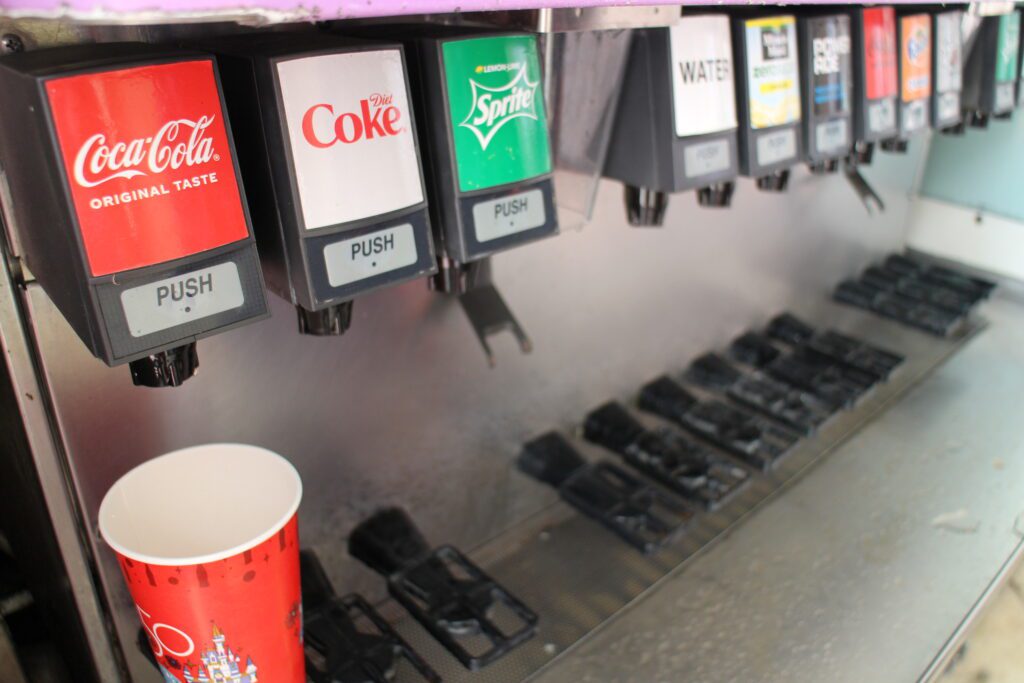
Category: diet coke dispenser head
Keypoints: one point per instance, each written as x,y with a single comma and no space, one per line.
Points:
333,168
948,66
875,78
768,98
913,106
486,129
827,89
676,124
127,202
990,74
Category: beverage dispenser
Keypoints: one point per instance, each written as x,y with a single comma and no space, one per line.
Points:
489,159
990,72
676,124
875,79
768,98
948,69
137,227
333,168
913,107
827,76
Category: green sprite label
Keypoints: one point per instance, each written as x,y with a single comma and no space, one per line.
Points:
1009,42
496,106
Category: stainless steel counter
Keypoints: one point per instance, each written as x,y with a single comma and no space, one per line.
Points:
866,568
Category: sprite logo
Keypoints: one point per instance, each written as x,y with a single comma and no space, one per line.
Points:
493,107
496,110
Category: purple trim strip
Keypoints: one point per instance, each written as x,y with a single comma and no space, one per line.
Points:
325,9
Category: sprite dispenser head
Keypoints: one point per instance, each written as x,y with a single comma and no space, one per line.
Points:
913,107
676,124
875,79
127,201
948,69
991,70
333,168
768,98
827,89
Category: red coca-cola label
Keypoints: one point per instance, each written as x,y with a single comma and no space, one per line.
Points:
237,620
147,157
880,74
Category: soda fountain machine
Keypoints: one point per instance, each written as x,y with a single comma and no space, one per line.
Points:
139,230
768,98
947,70
875,79
485,130
990,72
332,165
913,106
675,128
827,75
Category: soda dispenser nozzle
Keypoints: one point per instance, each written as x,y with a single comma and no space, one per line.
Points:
824,167
168,368
645,207
774,182
718,195
331,321
895,145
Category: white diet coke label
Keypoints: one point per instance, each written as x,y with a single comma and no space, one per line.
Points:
351,137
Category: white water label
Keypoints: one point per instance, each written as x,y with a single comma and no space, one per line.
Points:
705,158
775,147
915,115
831,135
361,257
947,106
881,115
1004,97
509,215
350,135
703,90
182,299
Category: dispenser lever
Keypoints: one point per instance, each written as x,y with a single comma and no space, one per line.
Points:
872,202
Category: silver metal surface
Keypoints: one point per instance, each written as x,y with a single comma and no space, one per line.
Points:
865,568
404,410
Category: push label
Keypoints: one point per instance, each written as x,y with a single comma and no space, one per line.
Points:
496,109
361,257
772,71
703,95
182,299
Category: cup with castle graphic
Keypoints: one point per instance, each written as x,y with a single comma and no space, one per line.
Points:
207,540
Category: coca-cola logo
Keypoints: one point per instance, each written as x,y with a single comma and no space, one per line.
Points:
377,117
178,143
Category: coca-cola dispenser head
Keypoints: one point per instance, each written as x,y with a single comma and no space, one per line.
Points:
126,200
675,128
875,79
328,147
768,97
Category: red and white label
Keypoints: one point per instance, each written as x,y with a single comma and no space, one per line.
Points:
149,163
880,54
351,136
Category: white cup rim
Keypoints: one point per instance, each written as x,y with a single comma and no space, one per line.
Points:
109,514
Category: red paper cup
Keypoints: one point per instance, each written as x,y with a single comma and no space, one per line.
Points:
207,539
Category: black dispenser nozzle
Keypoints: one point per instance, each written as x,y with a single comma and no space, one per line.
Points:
168,368
774,182
645,207
331,321
718,195
895,145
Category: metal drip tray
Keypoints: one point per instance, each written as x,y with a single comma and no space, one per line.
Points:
578,577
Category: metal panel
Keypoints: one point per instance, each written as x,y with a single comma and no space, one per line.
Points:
864,586
404,410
